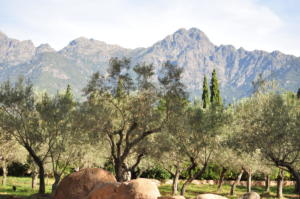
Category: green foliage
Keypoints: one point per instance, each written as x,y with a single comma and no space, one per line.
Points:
133,120
18,169
205,93
109,166
144,73
298,94
215,95
121,112
212,172
156,173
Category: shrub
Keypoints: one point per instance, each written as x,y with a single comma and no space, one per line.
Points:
156,173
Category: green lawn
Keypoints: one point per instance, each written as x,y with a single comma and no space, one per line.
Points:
24,190
23,185
194,190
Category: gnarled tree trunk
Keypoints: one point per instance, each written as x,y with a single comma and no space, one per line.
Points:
292,171
118,170
4,169
221,180
175,182
189,181
56,181
267,183
40,164
280,179
249,181
237,181
296,176
34,176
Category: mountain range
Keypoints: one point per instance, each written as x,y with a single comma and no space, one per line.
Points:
51,70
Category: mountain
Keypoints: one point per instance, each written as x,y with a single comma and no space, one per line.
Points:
191,49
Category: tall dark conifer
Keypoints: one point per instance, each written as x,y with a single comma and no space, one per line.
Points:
215,97
205,93
298,94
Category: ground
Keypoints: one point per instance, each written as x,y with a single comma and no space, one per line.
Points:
23,185
24,190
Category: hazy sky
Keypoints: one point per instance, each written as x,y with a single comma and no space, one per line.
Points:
253,24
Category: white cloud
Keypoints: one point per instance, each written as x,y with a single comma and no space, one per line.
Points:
135,23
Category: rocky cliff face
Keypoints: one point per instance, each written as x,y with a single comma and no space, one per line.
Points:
191,49
13,52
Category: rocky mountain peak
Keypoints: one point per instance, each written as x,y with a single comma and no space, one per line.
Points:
190,49
13,51
2,35
43,48
192,33
192,38
79,41
83,42
96,50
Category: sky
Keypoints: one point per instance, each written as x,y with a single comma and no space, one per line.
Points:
252,24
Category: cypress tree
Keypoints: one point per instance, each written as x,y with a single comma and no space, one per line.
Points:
298,94
205,93
69,92
215,97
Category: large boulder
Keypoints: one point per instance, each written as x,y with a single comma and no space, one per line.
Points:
134,189
250,195
210,196
79,184
171,197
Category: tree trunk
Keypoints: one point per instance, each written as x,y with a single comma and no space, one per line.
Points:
42,179
292,171
297,178
175,182
4,168
297,187
221,180
189,181
118,170
40,164
237,181
280,179
249,181
34,177
135,174
56,181
267,183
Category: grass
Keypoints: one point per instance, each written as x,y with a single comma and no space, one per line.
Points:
23,185
24,190
194,190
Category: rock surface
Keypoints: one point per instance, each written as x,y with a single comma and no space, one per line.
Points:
79,184
171,197
210,196
250,195
134,189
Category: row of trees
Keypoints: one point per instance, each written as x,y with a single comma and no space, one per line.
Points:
135,121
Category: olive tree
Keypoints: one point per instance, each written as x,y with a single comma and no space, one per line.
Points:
122,111
171,154
202,139
224,158
271,123
21,120
174,102
57,119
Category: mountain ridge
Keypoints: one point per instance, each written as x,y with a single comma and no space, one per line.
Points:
189,48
